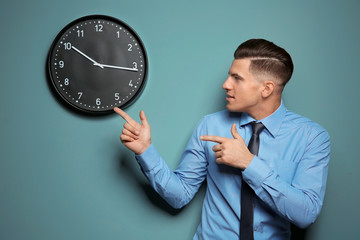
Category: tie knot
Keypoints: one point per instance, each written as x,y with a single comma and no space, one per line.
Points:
257,127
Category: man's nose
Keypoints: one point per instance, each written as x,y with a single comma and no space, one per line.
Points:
226,84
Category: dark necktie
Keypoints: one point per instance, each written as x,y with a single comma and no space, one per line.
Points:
247,193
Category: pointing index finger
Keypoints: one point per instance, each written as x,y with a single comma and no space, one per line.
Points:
211,138
125,116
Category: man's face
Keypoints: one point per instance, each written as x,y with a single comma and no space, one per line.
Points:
243,90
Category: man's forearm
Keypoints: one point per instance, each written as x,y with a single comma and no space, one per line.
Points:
172,187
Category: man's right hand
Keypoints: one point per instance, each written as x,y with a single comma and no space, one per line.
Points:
135,136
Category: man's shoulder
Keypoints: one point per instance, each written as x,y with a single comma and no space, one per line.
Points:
299,121
218,122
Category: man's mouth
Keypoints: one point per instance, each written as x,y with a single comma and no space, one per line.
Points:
229,96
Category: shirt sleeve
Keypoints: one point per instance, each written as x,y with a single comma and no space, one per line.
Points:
300,201
180,186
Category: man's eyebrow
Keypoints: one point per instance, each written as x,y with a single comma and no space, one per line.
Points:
235,75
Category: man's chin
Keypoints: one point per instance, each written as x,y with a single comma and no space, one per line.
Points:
232,108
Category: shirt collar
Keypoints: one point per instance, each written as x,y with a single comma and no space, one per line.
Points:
272,122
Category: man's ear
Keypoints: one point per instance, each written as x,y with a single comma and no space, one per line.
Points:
268,88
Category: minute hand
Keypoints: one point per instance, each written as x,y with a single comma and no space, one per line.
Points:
121,68
86,56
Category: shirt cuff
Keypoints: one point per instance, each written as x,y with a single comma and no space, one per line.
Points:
148,159
256,172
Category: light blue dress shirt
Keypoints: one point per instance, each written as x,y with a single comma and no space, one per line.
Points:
288,175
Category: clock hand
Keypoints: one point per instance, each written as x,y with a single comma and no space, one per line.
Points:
103,65
121,68
89,58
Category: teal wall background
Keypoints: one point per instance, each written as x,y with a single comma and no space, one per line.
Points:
66,176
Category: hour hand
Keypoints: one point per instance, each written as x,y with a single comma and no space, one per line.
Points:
87,57
118,67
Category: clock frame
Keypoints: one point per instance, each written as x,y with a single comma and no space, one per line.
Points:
96,63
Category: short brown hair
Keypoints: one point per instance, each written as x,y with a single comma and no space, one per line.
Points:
266,57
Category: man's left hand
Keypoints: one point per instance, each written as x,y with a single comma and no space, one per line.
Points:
232,152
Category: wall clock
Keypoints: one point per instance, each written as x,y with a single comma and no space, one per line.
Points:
97,63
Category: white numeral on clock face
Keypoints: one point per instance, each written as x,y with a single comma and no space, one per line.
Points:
80,33
66,81
67,46
98,102
130,47
117,97
99,28
80,94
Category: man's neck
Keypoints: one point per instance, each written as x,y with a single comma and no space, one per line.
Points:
265,109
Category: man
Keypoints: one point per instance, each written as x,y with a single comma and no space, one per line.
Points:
251,193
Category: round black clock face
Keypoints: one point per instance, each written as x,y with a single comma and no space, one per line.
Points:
97,63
